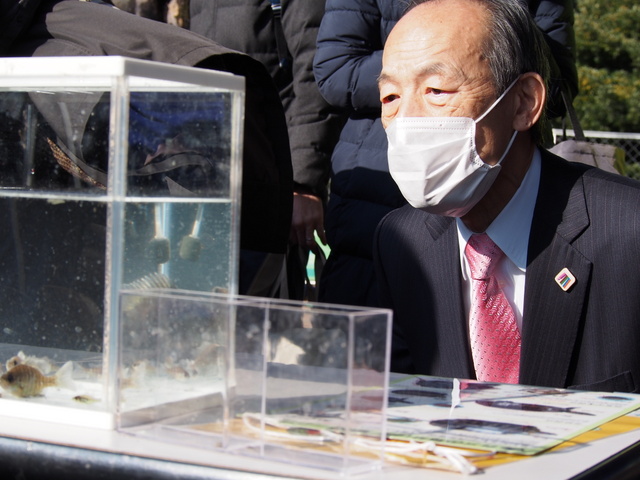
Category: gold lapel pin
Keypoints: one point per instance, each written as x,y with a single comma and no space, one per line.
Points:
565,279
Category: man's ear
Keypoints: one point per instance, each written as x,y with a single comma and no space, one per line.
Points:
531,100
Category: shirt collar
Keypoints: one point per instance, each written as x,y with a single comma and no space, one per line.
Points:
510,229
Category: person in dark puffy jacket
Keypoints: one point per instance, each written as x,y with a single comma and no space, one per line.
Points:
346,66
251,26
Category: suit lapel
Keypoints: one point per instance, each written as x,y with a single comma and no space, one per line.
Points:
552,316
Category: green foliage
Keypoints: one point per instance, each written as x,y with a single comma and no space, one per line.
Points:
633,170
609,100
607,34
608,58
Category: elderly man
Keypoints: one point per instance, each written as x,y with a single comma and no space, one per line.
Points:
510,264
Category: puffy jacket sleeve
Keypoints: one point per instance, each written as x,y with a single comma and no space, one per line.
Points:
314,126
348,58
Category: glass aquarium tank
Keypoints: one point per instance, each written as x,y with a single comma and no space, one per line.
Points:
114,173
288,381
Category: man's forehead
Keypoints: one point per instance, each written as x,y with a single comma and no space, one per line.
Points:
438,44
455,17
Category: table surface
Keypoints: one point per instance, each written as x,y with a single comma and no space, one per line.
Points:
40,449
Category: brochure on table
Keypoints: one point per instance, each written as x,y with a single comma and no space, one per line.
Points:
475,415
499,417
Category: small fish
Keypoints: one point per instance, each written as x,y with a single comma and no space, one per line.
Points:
150,281
85,399
137,304
26,381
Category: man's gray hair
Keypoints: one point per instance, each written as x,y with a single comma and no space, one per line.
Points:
516,46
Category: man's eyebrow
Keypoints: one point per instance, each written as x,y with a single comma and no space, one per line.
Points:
431,69
383,77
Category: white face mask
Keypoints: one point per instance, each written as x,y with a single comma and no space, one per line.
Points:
436,165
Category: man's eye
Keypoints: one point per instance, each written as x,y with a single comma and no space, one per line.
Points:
389,98
435,91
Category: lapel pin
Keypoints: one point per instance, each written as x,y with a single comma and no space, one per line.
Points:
565,279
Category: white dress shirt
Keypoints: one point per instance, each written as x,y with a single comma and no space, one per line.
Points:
510,231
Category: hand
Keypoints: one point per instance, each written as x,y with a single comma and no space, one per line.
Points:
307,218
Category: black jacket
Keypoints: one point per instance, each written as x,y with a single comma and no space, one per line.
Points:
249,26
71,27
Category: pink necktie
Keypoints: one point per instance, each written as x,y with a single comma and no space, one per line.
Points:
495,339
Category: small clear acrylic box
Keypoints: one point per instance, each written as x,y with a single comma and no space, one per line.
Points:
114,173
295,382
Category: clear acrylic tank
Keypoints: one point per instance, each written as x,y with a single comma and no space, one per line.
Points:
295,382
114,173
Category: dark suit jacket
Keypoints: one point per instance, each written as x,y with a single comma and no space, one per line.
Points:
587,338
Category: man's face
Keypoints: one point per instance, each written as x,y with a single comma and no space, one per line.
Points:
433,66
